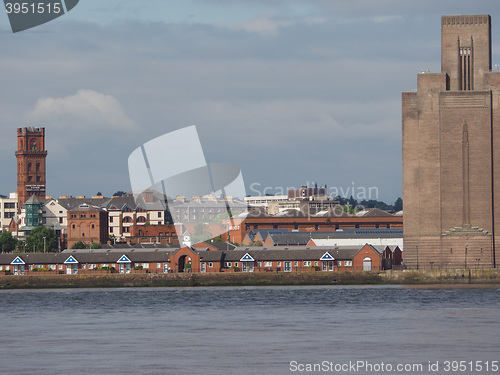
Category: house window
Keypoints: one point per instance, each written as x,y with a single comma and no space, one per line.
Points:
348,263
158,265
60,220
307,263
210,264
296,264
83,266
228,264
93,226
73,226
339,263
111,219
236,264
159,214
316,263
111,230
60,266
279,264
268,264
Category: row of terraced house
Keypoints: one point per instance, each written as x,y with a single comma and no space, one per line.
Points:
205,257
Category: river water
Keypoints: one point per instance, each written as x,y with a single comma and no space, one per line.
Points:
251,330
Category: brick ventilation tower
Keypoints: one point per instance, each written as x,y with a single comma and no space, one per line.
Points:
451,153
30,156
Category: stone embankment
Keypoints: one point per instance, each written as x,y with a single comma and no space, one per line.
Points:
457,277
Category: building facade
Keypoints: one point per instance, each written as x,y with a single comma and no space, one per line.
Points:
30,155
451,153
8,211
88,224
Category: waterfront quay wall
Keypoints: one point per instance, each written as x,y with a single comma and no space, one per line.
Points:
424,277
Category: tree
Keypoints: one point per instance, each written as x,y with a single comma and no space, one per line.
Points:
398,205
99,194
119,193
7,242
35,241
353,202
83,245
201,233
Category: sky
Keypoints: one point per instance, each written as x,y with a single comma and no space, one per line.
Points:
292,91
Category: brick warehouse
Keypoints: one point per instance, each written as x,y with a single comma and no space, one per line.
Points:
451,153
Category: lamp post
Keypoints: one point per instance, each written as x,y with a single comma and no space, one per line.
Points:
44,244
466,256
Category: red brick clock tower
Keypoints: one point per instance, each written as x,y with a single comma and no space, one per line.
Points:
30,156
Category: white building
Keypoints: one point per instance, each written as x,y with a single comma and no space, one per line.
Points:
8,210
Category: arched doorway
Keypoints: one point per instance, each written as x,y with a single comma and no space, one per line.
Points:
184,264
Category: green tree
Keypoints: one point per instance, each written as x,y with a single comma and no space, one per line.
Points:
398,205
83,245
7,242
35,241
201,233
119,193
79,245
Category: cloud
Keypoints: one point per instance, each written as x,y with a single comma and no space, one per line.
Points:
263,24
87,108
386,18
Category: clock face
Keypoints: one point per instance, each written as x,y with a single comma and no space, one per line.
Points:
186,238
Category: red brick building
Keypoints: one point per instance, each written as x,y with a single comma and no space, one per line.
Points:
303,223
88,224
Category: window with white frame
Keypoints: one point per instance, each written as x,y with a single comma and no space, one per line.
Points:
228,264
158,265
52,266
91,266
60,266
145,265
348,263
83,266
296,263
279,264
268,264
316,263
1,268
236,264
307,263
339,263
210,264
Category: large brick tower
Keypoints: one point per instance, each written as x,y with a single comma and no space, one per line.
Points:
451,153
30,156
